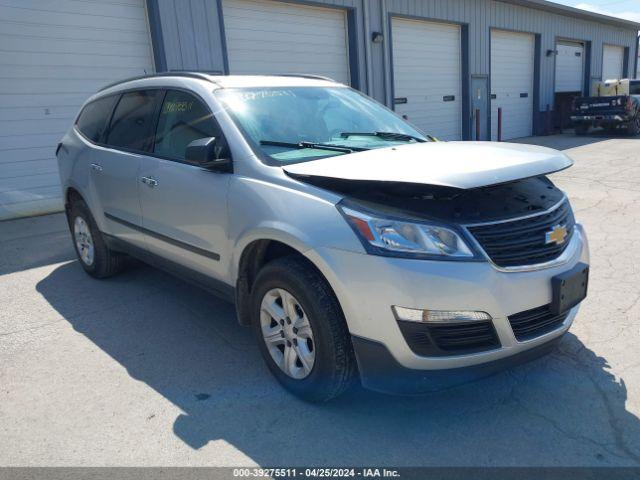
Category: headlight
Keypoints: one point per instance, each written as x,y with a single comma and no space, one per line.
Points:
394,237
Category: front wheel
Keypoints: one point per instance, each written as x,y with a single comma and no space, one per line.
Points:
301,330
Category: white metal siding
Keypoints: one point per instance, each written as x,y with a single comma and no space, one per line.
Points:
266,37
54,55
426,68
612,62
512,69
569,67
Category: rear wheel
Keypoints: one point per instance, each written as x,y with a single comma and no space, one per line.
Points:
581,129
301,330
96,258
633,128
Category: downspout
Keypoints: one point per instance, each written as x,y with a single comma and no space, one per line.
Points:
367,46
157,39
385,51
635,63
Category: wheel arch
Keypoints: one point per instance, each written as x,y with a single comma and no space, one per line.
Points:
72,194
255,255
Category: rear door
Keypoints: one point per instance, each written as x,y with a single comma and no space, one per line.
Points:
184,206
116,167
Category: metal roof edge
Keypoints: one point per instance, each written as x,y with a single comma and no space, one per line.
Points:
574,12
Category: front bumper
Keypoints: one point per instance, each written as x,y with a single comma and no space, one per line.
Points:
381,372
367,286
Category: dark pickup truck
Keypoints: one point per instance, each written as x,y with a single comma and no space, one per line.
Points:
609,112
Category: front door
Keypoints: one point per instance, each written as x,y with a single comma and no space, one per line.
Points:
184,206
479,108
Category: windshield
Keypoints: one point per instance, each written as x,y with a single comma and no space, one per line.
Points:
298,124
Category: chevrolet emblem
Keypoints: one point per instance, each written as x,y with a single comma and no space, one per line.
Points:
557,235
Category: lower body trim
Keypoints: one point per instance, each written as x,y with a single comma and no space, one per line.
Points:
381,372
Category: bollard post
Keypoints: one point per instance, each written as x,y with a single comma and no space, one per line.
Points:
499,124
548,120
561,117
477,124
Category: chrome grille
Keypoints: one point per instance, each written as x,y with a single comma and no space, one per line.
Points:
523,241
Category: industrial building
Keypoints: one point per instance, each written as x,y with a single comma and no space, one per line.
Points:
448,65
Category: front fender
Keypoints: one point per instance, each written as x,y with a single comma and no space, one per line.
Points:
263,210
269,230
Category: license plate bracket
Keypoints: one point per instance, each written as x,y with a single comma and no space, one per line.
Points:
569,288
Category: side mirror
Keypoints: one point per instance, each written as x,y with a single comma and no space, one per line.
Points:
210,154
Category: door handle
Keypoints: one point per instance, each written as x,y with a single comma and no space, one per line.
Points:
96,166
149,181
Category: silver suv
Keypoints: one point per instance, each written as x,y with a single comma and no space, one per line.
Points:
353,244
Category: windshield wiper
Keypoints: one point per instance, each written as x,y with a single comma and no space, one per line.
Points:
385,135
319,146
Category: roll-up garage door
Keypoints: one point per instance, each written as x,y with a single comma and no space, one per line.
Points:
54,55
512,71
267,37
612,62
569,67
427,76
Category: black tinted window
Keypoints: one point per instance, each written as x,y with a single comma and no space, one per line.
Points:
132,123
183,119
93,119
634,87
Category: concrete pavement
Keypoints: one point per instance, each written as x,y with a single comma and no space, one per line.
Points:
144,369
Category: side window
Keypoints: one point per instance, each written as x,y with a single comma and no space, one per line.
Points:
132,123
183,119
634,87
92,121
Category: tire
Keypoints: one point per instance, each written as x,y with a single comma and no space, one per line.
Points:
326,348
633,128
582,129
96,259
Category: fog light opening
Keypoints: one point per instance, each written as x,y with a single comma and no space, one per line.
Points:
438,316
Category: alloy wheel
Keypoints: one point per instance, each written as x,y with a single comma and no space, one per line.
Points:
84,241
287,333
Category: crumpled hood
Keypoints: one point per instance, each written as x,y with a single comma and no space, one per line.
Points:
450,164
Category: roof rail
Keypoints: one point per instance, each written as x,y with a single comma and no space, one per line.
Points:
304,75
201,75
208,72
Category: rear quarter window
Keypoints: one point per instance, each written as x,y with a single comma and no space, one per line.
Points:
92,121
634,87
133,120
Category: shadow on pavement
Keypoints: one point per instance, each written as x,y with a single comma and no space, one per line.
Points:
570,140
34,242
564,409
